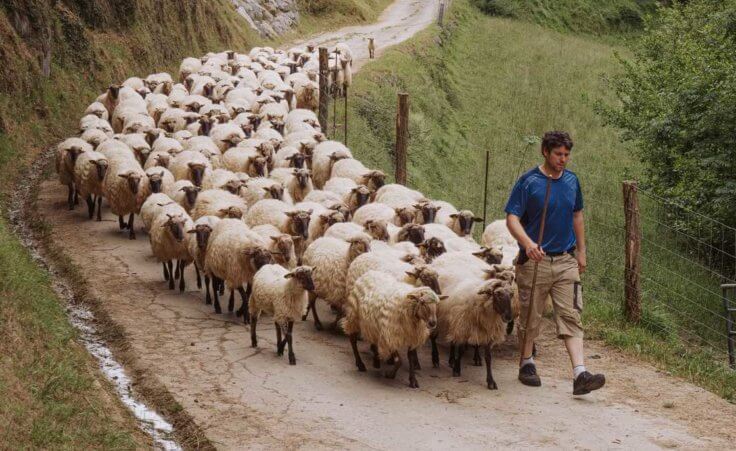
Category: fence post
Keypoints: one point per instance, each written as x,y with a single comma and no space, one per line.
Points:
402,137
345,125
485,189
323,89
441,15
730,331
632,265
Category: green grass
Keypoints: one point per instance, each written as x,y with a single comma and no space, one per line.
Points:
324,15
494,84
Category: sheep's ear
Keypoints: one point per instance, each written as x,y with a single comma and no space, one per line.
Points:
309,212
368,222
442,297
479,253
125,176
411,274
275,238
477,219
453,216
288,275
268,191
296,238
192,231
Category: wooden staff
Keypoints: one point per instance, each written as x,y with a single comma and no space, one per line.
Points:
530,309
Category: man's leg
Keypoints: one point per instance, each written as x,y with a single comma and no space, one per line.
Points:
524,275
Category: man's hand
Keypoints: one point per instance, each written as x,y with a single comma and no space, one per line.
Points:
535,252
582,261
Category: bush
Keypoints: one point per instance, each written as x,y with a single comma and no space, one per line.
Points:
678,104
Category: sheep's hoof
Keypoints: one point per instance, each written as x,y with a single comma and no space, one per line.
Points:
492,385
304,317
435,363
131,236
318,326
361,366
254,343
413,382
477,362
455,373
376,363
292,360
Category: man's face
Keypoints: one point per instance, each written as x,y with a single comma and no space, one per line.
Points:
557,158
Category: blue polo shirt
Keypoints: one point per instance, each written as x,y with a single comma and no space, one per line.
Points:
527,201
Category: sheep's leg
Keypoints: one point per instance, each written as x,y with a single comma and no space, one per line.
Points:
177,269
489,374
415,356
338,316
182,282
245,295
435,351
99,208
253,337
280,343
476,357
199,278
122,223
76,195
70,198
216,284
451,360
166,271
222,289
358,361
290,342
376,359
231,303
312,302
90,206
411,355
310,305
396,359
510,327
171,274
207,296
131,230
458,360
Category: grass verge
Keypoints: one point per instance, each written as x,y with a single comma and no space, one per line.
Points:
484,83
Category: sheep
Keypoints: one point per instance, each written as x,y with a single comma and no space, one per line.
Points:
67,153
321,219
413,233
98,109
89,175
440,231
167,235
122,188
392,316
258,188
355,170
216,202
296,181
284,295
289,157
158,159
421,275
281,245
114,149
324,156
160,180
352,194
184,193
281,215
246,160
197,241
460,222
325,198
331,258
497,234
224,180
152,207
234,254
475,314
94,137
190,165
431,249
226,136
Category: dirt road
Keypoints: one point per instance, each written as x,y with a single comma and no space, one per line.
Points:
250,398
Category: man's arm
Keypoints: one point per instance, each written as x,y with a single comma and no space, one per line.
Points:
578,225
533,250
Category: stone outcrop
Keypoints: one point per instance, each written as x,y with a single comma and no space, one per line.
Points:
269,17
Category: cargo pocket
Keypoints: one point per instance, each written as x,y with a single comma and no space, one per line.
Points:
577,297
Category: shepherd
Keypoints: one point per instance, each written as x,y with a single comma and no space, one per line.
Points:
544,213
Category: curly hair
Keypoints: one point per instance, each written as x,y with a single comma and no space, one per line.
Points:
554,139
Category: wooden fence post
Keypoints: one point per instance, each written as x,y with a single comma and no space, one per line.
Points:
345,125
441,15
485,189
323,89
632,265
402,137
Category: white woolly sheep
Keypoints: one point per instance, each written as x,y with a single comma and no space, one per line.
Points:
282,245
89,176
160,180
281,215
258,188
497,234
251,162
324,156
355,170
224,180
152,207
352,194
168,241
67,153
190,165
216,202
197,240
123,187
297,182
184,193
460,222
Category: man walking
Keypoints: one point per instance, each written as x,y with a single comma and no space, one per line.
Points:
559,259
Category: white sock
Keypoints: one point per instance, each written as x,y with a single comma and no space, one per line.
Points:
526,361
578,370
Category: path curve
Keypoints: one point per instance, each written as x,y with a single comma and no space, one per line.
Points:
249,398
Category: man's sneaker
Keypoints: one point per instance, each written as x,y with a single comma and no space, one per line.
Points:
528,375
586,383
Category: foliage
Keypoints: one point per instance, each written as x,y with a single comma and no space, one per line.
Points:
586,16
678,105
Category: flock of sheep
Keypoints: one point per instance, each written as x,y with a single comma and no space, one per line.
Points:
228,169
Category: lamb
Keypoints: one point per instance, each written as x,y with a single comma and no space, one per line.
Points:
89,176
258,188
216,202
497,234
122,188
324,156
296,181
461,222
234,254
160,180
331,258
284,295
190,165
167,235
281,215
184,193
67,153
392,316
475,314
197,241
355,170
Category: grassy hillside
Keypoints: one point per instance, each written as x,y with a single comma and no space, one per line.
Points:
50,391
322,15
496,84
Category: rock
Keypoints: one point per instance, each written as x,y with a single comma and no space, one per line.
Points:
269,17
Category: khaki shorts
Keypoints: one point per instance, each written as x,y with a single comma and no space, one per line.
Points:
558,278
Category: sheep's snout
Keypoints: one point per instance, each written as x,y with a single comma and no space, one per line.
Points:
101,169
